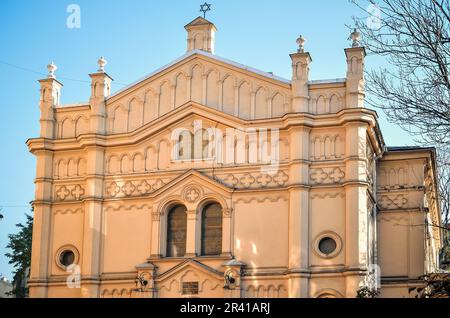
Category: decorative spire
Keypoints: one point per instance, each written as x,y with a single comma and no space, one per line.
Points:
301,44
101,64
355,36
51,70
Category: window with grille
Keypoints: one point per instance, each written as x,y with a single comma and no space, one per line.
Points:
190,288
176,232
212,230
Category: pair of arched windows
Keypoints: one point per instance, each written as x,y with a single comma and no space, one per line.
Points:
211,230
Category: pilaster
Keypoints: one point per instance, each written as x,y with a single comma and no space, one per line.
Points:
41,253
93,211
356,214
299,214
227,232
191,233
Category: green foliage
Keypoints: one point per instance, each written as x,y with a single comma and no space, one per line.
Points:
366,292
20,256
437,285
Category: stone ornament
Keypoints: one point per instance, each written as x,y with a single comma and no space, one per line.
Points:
301,44
51,70
133,188
101,64
227,212
355,36
254,180
393,201
69,192
327,175
192,194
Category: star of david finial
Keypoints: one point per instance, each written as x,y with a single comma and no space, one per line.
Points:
205,8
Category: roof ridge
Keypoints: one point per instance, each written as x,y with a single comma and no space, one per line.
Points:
206,54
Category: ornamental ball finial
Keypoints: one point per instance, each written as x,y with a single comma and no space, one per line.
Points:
301,44
355,36
101,64
51,70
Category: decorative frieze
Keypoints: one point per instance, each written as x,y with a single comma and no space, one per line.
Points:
326,147
329,175
391,178
330,195
69,192
393,201
261,199
133,188
68,211
250,180
70,168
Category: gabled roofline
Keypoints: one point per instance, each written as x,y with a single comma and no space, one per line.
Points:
206,54
188,262
187,175
410,148
268,75
204,21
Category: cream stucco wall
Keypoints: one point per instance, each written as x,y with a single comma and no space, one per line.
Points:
107,177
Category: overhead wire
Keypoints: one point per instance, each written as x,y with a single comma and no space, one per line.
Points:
43,74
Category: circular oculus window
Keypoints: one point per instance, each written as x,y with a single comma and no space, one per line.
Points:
66,256
328,245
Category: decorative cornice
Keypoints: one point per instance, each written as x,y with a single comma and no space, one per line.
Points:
349,115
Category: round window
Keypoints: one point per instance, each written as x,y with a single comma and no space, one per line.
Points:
67,258
327,245
67,255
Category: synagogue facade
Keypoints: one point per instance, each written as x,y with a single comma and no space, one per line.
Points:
209,178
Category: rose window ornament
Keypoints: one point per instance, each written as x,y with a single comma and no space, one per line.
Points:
192,194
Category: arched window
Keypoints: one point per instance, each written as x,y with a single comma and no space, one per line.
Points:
201,143
205,144
212,229
185,145
176,231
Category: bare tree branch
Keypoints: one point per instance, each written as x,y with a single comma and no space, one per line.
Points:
414,91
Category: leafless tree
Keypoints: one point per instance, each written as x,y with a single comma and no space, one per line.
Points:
414,88
444,184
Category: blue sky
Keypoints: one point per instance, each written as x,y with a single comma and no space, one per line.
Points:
137,37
